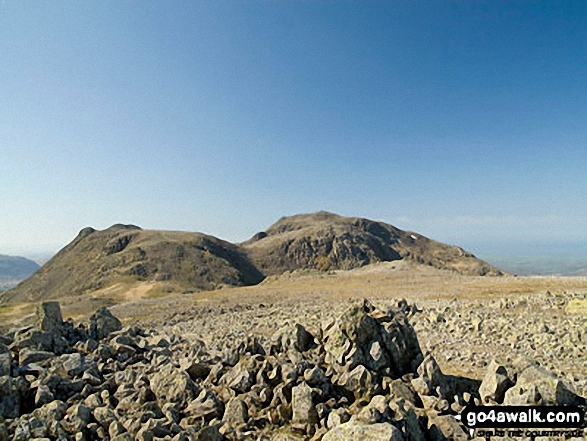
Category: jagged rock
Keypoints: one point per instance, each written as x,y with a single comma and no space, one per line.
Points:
538,386
236,413
209,433
337,417
43,395
172,385
72,365
406,419
292,337
303,409
104,416
4,435
400,390
445,427
359,381
33,339
197,371
28,356
431,380
355,430
239,378
5,360
103,323
495,383
9,397
137,384
49,318
207,405
366,336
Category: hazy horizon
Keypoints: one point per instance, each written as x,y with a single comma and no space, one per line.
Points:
463,121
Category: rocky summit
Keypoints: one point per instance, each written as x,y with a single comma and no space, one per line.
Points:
115,261
359,375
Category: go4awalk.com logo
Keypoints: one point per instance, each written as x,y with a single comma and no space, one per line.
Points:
519,419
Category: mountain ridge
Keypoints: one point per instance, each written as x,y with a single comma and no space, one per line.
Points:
187,262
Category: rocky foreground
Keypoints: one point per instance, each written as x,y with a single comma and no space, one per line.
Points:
360,374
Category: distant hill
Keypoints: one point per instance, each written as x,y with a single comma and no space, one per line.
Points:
13,269
126,255
123,253
327,241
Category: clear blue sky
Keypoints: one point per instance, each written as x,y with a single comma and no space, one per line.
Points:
463,120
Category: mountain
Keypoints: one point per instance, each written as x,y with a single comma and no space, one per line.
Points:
13,269
123,255
326,241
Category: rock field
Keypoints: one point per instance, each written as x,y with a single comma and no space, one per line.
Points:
380,369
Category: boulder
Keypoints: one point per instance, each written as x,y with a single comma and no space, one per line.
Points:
34,339
359,381
28,356
538,386
236,413
10,398
240,378
49,318
431,380
103,323
72,365
445,427
303,408
5,360
495,383
172,385
364,335
294,337
356,430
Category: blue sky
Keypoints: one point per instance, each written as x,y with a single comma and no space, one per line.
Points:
463,120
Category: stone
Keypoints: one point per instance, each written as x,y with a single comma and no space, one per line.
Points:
359,381
9,397
337,417
103,323
104,416
303,408
28,356
366,336
355,430
537,386
209,433
34,339
445,427
495,383
5,360
53,411
172,385
431,380
43,395
197,371
49,318
72,365
401,390
207,406
236,413
239,378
